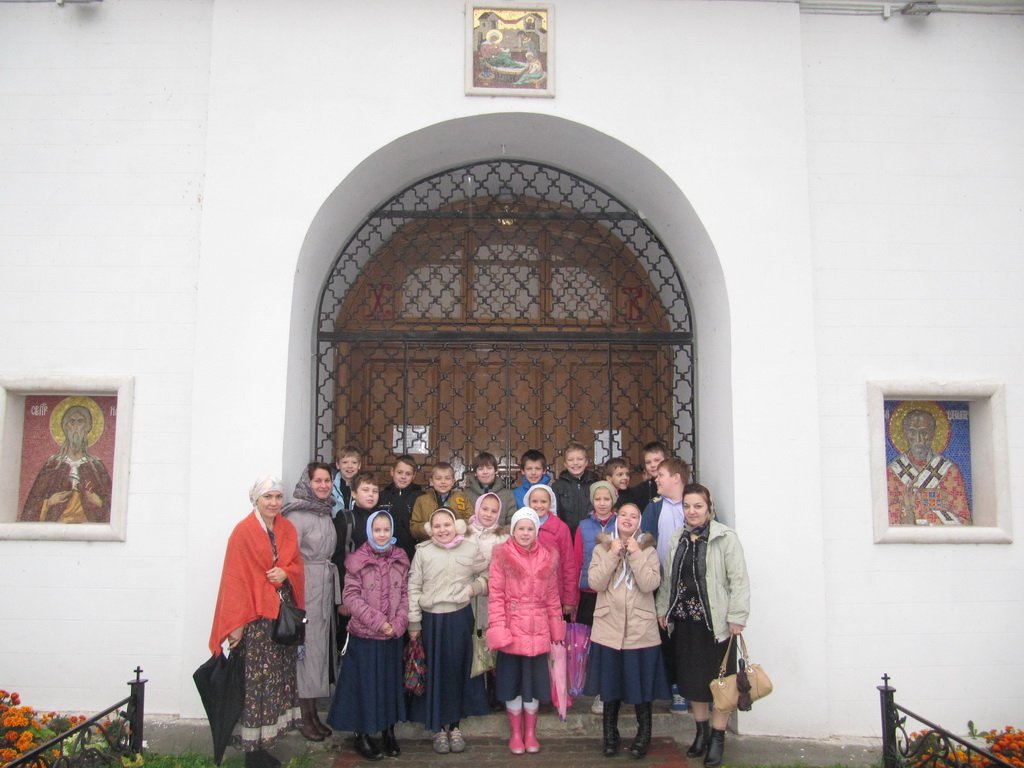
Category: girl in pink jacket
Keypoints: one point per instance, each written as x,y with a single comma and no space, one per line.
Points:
370,696
553,533
525,618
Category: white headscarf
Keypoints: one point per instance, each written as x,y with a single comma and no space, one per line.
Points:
263,485
551,495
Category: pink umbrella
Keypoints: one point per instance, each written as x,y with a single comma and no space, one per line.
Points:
577,641
559,670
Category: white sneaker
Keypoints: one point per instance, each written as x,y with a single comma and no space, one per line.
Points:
456,742
679,703
598,706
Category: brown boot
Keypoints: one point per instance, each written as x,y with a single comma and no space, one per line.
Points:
324,730
307,725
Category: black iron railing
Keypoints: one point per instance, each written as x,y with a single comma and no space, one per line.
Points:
98,742
927,746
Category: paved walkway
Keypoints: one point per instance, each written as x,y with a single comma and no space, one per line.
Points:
555,753
576,742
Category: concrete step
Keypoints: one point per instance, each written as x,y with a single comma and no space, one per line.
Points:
565,745
579,722
492,752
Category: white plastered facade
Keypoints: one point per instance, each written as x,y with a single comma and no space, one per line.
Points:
843,196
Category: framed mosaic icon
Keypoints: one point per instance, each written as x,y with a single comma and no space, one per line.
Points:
65,458
928,462
939,462
510,50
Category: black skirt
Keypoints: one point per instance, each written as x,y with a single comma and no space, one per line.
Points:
585,608
525,676
451,693
697,657
370,696
635,675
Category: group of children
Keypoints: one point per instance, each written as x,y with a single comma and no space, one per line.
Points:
440,564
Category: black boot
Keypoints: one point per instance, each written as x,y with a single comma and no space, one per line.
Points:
643,732
700,741
367,747
260,758
496,704
388,742
715,749
307,725
610,728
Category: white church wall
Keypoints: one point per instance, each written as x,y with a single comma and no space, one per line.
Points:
101,171
917,188
284,133
225,151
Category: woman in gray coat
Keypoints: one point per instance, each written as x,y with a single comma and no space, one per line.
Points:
310,513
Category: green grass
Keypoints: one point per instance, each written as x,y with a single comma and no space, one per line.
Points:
193,760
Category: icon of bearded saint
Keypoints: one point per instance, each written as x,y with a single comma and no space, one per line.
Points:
73,486
924,486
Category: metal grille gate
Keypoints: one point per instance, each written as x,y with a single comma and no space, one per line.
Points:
502,306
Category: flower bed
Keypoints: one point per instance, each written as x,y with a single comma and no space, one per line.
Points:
22,729
927,749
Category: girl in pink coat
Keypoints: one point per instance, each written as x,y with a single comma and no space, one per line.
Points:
525,618
553,533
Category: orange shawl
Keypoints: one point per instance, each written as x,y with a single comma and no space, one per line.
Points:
245,593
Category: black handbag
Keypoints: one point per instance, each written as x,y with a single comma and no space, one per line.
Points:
290,625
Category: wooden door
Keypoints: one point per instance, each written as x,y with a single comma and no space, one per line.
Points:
503,307
448,402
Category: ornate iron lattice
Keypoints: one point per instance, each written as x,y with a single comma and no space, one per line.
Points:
503,306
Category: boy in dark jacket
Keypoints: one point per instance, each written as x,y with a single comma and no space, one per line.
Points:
572,488
641,494
617,472
398,496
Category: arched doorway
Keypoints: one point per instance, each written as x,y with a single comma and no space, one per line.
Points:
502,306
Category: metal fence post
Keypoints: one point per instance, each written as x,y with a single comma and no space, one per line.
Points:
887,695
137,709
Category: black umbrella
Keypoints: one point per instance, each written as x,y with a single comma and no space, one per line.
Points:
221,685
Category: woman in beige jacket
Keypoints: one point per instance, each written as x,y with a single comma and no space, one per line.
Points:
625,653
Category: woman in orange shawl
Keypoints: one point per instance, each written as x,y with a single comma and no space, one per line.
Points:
262,557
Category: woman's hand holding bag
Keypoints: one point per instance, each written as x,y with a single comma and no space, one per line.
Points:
290,625
739,691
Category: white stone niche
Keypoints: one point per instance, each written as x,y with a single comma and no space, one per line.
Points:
13,393
990,503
